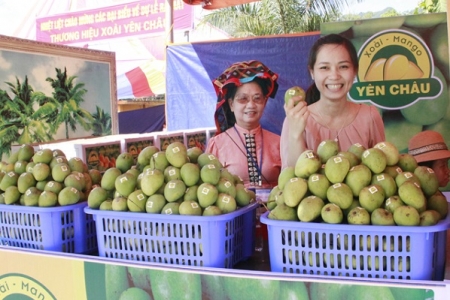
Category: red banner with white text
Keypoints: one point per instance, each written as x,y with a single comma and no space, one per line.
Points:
130,19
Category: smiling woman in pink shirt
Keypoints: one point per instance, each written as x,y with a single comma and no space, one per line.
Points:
327,113
242,146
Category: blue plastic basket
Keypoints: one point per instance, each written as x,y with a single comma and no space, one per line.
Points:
392,252
216,241
63,228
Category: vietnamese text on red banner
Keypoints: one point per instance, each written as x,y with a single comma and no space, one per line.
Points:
131,19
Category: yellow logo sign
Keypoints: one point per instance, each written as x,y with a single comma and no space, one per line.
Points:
395,71
13,285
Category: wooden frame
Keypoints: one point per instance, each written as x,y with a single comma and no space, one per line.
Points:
95,70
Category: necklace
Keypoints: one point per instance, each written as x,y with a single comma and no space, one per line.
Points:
261,175
328,125
258,168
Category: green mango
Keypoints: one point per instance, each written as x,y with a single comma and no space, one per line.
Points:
406,216
210,174
109,178
190,173
140,278
193,153
318,185
407,163
331,213
294,91
155,203
174,190
159,161
358,216
124,161
392,203
146,154
151,181
310,208
336,168
190,208
327,149
25,152
374,159
176,154
411,193
382,216
226,186
412,293
283,212
213,287
358,292
134,293
429,181
225,203
387,182
372,197
137,201
307,164
69,195
25,181
208,158
340,194
243,195
116,281
429,111
285,175
294,190
357,178
429,217
175,285
12,194
438,202
328,291
96,197
191,193
292,290
125,184
249,288
9,179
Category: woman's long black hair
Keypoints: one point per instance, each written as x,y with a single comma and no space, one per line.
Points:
312,93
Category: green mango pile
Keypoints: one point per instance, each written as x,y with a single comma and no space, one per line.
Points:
375,186
137,283
44,178
178,180
123,282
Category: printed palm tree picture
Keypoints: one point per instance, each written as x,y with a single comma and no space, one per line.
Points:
19,121
101,125
54,93
65,105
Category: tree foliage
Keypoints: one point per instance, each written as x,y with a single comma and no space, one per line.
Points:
66,103
272,17
19,122
433,6
30,116
101,125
